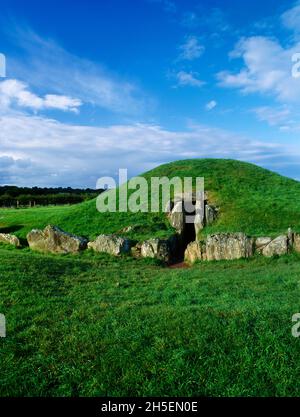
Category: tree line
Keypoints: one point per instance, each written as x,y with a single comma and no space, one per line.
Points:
13,196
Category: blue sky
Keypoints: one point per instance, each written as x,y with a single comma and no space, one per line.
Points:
92,87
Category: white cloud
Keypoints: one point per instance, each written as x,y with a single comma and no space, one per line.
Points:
16,92
286,119
36,150
267,69
273,116
191,49
291,18
189,79
211,105
61,102
48,65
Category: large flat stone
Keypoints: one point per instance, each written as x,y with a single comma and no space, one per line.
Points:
278,246
54,240
112,244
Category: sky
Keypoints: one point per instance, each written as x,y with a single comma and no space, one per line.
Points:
92,87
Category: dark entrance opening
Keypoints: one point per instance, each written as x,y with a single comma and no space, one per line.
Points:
188,236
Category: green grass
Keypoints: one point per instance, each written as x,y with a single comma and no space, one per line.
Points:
83,219
91,324
96,325
251,199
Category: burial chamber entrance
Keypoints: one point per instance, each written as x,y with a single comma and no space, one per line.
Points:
188,214
189,234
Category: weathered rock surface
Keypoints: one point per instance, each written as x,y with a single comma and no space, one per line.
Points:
136,250
211,213
277,246
290,236
9,239
54,240
157,248
238,245
112,244
177,217
189,207
261,243
228,246
220,246
296,244
193,252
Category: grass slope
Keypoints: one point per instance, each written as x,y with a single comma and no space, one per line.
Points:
252,199
98,325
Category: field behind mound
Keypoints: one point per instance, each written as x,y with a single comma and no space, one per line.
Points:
94,325
251,199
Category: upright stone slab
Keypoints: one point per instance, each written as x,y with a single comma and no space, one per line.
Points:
261,243
156,248
54,240
296,243
177,217
277,246
228,246
193,252
9,239
111,244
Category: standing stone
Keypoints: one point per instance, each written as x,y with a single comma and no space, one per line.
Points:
261,243
136,250
54,240
9,239
278,246
192,208
169,206
198,224
228,246
177,217
199,220
290,236
156,248
210,214
193,252
296,245
114,245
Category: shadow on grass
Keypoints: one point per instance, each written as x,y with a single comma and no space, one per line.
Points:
11,229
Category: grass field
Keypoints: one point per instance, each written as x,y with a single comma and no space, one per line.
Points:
97,325
91,324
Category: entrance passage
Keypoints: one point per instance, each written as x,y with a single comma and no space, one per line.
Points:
189,234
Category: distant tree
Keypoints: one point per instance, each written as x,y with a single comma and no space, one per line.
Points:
12,196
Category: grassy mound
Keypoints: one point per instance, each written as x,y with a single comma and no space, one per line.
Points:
251,199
